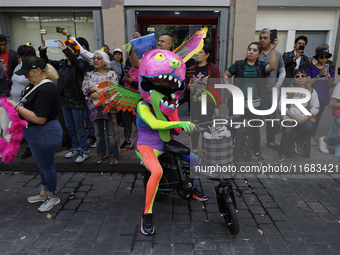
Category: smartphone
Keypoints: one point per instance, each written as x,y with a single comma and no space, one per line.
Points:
301,47
59,30
51,43
273,35
325,67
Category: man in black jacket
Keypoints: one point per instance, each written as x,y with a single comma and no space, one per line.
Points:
8,60
295,59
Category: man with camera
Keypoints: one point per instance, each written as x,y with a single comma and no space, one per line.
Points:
295,59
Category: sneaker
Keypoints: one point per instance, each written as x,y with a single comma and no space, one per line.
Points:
198,195
36,198
91,140
99,159
73,153
258,157
125,145
83,156
27,153
93,145
323,145
273,146
298,148
113,161
279,160
49,203
146,226
312,142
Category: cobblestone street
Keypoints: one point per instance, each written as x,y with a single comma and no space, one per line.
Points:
100,213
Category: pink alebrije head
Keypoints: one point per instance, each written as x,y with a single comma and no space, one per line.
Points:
165,72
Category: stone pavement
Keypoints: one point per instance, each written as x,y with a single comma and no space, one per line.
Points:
100,214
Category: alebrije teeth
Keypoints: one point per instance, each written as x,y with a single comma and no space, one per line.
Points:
165,76
160,76
179,84
162,101
172,106
166,103
170,78
150,91
175,80
173,96
177,105
176,101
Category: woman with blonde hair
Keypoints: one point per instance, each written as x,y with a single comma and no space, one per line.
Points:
90,88
39,106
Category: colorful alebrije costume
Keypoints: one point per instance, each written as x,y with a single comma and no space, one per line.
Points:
10,149
161,83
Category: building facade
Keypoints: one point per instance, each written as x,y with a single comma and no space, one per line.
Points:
232,24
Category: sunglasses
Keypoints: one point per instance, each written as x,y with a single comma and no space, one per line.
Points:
97,58
300,76
323,56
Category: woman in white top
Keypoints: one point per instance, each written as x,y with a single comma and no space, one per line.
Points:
335,104
305,122
20,81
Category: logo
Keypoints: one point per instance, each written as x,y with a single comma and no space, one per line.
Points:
238,102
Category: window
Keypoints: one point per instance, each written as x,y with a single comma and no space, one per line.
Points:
314,39
25,27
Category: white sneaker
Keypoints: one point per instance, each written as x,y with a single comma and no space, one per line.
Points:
312,142
83,156
323,145
49,203
73,153
36,198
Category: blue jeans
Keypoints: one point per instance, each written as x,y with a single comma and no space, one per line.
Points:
270,131
100,136
43,141
334,140
337,121
89,123
305,131
74,121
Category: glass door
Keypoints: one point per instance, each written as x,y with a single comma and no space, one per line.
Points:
180,28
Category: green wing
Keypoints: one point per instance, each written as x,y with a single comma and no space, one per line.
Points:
118,96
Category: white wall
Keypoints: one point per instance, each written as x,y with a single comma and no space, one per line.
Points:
193,3
299,18
323,3
50,3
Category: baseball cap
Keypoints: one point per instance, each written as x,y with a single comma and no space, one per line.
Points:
117,49
29,63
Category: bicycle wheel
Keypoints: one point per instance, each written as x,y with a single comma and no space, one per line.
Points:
230,216
163,184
